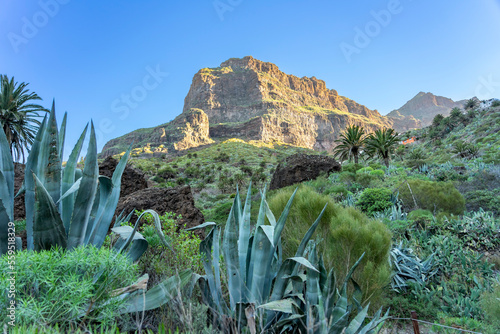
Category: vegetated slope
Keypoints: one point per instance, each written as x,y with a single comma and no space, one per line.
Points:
253,100
421,110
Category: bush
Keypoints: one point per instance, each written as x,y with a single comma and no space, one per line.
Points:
57,286
374,200
488,200
166,172
490,303
344,235
352,168
433,196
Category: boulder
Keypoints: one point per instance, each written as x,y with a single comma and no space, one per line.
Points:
178,200
132,179
302,167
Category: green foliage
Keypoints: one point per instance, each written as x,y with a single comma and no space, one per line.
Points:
257,274
352,168
433,196
382,144
19,117
490,303
350,144
496,103
471,103
375,199
57,286
489,200
161,262
408,268
344,234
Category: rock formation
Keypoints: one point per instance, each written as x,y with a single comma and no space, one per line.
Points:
302,167
178,200
421,110
132,179
250,99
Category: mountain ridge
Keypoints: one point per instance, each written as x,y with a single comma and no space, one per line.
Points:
250,99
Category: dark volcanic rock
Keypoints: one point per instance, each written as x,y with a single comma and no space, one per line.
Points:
19,209
302,167
132,179
178,200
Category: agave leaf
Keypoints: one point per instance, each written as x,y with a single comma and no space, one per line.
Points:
283,305
209,247
288,267
6,197
244,239
230,251
49,163
129,234
260,221
280,224
48,228
74,188
157,296
62,135
262,255
7,182
85,197
29,183
156,219
206,224
4,226
312,281
105,212
357,322
68,180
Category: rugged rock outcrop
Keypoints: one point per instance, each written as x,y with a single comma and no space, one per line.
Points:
178,200
421,110
189,129
251,99
132,179
302,167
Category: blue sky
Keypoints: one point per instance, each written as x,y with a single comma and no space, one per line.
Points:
92,56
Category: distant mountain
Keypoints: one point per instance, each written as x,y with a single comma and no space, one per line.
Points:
253,100
421,110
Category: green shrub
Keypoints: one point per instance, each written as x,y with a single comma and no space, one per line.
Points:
374,200
57,286
378,173
368,180
490,303
364,170
344,235
352,168
488,200
166,172
433,196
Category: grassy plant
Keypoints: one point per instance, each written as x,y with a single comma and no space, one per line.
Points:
57,286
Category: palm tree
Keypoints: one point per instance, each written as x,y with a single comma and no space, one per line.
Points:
18,117
382,144
350,143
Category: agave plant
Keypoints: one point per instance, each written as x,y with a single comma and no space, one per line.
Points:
68,207
266,292
409,268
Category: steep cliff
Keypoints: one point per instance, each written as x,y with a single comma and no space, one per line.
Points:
421,110
250,99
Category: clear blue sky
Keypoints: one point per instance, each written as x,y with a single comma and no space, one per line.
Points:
87,54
